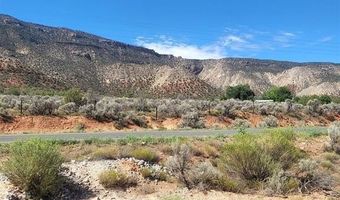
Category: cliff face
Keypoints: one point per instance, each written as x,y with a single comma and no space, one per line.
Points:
37,55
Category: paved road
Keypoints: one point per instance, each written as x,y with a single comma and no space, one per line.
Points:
124,134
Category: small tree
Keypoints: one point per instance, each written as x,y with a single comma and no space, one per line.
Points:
278,94
242,92
73,95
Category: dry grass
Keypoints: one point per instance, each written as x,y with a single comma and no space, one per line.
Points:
107,153
113,179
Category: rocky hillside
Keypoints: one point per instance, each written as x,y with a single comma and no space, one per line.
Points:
36,55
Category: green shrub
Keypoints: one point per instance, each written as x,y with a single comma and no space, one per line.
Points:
245,157
73,95
324,99
280,146
332,157
327,165
113,179
278,94
145,154
34,167
14,90
242,92
255,157
107,153
226,184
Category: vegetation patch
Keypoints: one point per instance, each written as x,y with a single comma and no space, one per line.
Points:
145,154
107,153
34,166
112,179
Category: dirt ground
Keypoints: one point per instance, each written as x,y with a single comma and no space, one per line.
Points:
44,124
84,172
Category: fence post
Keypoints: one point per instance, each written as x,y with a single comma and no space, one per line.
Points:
21,101
156,113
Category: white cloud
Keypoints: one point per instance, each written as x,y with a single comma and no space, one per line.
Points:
234,42
326,39
284,39
239,42
166,45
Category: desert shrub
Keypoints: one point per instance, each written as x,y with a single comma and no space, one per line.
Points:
80,127
288,106
179,163
43,105
245,157
112,179
139,121
153,174
91,97
145,154
225,183
204,176
107,153
34,167
141,104
327,164
242,92
241,123
281,183
269,122
313,107
121,121
74,95
5,116
8,101
225,108
174,108
68,108
278,94
310,178
106,110
332,157
334,135
87,110
280,146
324,99
192,120
14,90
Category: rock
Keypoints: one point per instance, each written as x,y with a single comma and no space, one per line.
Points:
140,163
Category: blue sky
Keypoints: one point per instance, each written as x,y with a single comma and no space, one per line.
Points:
297,30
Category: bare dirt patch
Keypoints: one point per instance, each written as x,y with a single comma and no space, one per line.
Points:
44,124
